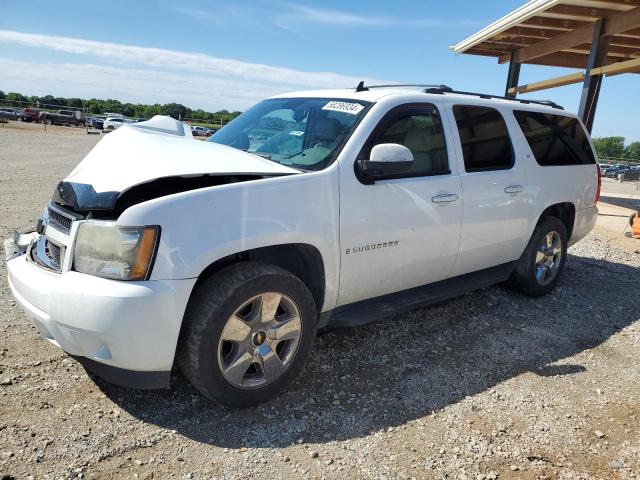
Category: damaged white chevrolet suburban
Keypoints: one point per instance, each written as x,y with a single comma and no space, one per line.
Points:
311,209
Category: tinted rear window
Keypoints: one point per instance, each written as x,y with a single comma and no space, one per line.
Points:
485,142
555,140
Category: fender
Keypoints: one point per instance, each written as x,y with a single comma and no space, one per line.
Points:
205,225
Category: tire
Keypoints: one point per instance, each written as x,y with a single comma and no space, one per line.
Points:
209,361
49,121
535,276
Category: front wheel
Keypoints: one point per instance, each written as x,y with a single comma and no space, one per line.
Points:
543,261
247,332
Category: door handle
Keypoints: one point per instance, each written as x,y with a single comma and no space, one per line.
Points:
513,189
445,198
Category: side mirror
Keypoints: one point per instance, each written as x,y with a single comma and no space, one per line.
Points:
386,159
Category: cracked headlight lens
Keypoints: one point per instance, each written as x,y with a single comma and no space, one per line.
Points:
106,250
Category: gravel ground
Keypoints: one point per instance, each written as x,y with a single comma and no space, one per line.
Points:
489,385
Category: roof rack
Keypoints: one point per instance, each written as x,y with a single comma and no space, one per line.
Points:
363,88
440,89
444,89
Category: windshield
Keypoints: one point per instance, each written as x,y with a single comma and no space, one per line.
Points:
305,133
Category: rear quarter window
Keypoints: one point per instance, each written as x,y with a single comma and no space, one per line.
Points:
555,140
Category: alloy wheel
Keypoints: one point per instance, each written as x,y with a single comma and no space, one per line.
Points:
260,340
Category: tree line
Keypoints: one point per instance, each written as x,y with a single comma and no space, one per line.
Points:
614,147
132,110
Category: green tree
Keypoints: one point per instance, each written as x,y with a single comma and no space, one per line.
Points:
47,100
98,106
74,102
151,110
60,102
15,99
112,106
632,151
176,110
609,147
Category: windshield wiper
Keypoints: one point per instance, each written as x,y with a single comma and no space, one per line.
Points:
268,157
260,154
298,167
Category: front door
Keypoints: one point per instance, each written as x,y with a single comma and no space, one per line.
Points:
401,232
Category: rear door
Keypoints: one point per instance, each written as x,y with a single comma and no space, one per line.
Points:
496,207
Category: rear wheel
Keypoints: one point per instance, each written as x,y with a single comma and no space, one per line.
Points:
543,261
247,332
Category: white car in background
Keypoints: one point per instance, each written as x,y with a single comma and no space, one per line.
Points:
334,207
112,123
199,131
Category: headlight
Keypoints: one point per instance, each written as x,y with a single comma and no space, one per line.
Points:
109,251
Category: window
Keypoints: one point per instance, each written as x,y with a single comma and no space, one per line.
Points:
485,141
304,133
419,128
555,140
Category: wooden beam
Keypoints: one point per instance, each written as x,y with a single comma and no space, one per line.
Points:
619,52
562,59
527,32
619,4
575,12
633,33
623,22
617,68
619,22
483,52
629,66
552,24
625,42
616,3
616,40
550,83
553,45
510,44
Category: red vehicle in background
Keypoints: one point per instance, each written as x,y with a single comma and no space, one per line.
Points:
31,115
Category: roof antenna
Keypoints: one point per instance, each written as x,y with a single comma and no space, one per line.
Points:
361,87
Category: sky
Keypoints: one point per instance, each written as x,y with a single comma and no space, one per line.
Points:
231,54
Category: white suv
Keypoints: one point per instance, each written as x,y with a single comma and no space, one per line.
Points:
112,123
311,209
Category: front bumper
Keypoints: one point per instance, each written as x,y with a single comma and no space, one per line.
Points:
126,332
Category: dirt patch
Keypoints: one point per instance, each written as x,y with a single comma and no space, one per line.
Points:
489,385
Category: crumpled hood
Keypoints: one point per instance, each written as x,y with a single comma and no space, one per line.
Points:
132,155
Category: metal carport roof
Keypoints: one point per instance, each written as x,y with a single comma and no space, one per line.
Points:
600,36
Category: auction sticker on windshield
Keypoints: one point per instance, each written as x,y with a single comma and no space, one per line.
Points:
346,107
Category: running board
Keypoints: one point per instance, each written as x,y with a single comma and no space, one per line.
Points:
376,309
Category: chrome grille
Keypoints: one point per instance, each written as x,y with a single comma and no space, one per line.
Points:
46,254
53,252
60,218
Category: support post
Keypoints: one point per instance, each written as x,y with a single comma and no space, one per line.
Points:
591,85
512,77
